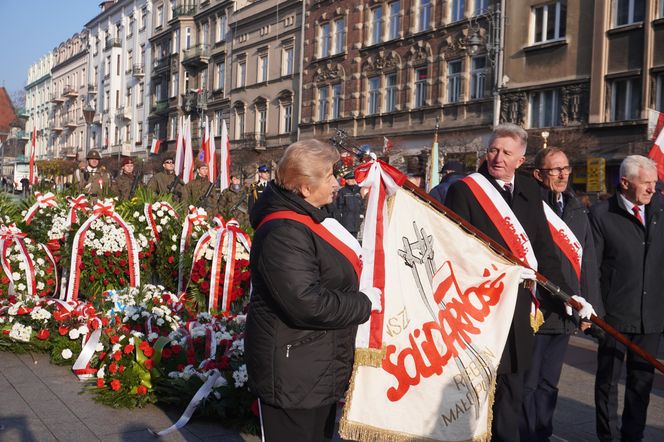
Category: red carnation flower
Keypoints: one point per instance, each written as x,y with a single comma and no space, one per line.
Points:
114,339
107,254
63,330
43,334
148,352
5,280
123,263
115,385
128,349
100,383
112,367
205,286
92,278
141,390
105,281
149,364
116,271
122,281
171,260
93,252
50,282
96,261
122,368
117,355
118,254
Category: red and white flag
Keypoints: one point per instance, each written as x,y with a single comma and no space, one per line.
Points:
188,170
225,162
179,149
208,151
655,123
33,170
154,149
387,145
657,154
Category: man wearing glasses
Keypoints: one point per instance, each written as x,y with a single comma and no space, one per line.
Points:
574,246
166,182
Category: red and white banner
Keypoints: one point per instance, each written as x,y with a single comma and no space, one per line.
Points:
225,162
564,239
655,123
225,250
657,154
188,166
448,306
154,149
179,149
33,148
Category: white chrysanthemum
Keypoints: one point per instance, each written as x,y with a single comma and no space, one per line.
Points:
74,334
16,276
66,354
99,347
141,218
240,376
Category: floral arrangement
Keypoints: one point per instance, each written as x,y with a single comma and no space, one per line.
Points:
165,228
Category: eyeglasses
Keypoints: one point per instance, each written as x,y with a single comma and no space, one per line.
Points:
558,170
168,162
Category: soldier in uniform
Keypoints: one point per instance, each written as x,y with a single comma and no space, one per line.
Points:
233,202
195,189
94,180
259,186
349,209
165,182
125,180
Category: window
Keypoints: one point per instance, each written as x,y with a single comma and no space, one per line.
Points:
159,17
141,91
336,101
130,30
205,33
117,64
287,61
420,87
241,74
221,75
625,99
262,121
339,35
262,68
139,129
186,80
424,16
377,25
659,97
322,103
144,18
176,42
221,28
239,124
173,128
218,122
478,73
626,12
391,93
454,81
374,96
175,84
481,6
660,9
288,118
545,109
187,38
457,11
325,40
549,22
129,102
395,20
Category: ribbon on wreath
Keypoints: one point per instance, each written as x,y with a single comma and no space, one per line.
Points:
149,209
78,203
12,235
382,180
102,209
196,216
233,234
43,201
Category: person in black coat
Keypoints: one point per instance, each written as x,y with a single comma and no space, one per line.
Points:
506,153
552,171
452,172
350,208
629,241
306,302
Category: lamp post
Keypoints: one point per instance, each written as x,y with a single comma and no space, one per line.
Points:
89,115
545,137
197,100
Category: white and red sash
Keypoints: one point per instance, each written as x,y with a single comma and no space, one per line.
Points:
509,228
330,231
564,239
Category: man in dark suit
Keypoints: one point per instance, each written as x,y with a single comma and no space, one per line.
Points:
629,242
506,153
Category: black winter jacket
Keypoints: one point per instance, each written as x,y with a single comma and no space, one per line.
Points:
304,310
575,215
630,260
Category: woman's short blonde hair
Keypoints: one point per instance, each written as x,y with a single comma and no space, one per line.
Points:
305,163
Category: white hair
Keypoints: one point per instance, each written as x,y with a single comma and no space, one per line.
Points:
510,130
632,165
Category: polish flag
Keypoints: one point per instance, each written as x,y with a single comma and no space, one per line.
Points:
657,154
33,170
154,149
188,171
225,157
655,123
212,152
179,149
387,145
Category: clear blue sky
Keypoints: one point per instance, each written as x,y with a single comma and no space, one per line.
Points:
31,28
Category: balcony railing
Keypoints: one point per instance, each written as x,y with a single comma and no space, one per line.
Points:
113,43
71,123
137,70
55,126
69,91
160,106
56,98
197,54
183,11
92,88
161,64
123,113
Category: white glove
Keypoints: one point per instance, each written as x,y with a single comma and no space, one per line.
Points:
527,274
586,309
373,294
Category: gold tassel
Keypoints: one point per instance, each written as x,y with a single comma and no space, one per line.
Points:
536,320
371,357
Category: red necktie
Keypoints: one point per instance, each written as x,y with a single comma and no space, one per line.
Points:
637,214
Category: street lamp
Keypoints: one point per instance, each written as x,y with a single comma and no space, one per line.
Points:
89,115
545,136
197,100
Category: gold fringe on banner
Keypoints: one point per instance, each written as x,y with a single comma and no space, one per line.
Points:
536,320
371,357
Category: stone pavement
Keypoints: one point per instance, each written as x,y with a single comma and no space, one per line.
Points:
43,402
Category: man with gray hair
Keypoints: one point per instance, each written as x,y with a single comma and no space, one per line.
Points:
628,232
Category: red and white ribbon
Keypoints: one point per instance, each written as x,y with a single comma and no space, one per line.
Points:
233,235
196,216
43,202
11,235
382,180
79,203
55,267
102,209
81,367
564,239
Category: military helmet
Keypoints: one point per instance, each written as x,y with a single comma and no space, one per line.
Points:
93,154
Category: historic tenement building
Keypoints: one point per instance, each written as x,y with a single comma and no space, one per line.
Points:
395,68
38,104
68,91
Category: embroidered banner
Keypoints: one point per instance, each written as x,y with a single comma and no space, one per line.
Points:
449,301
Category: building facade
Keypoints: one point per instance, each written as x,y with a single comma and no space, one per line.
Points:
38,103
117,86
395,69
68,89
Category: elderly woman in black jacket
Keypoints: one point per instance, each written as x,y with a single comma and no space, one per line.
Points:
306,302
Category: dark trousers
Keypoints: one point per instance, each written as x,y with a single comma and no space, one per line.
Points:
638,383
507,407
288,425
540,391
